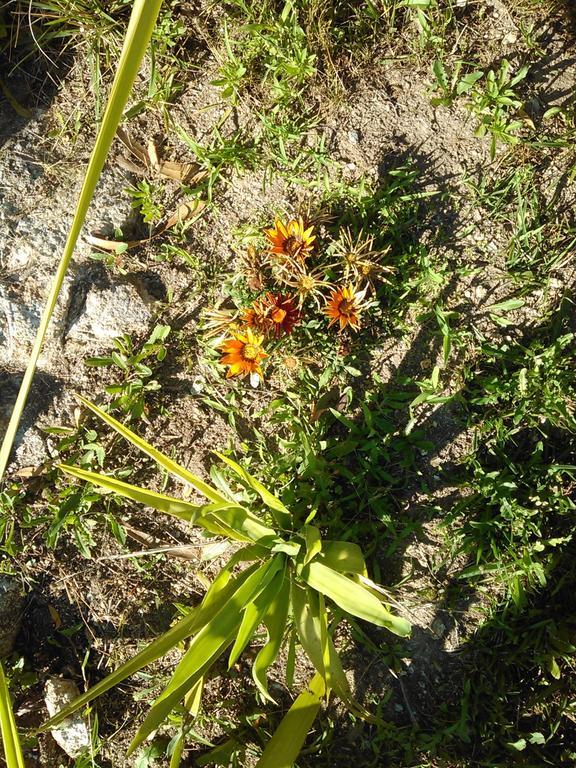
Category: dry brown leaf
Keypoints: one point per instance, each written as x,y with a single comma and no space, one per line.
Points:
187,173
113,246
184,212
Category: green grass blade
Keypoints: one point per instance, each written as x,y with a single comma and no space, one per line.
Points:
138,34
280,513
353,597
10,739
275,622
168,464
286,743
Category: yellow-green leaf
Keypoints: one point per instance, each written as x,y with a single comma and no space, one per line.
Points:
167,504
205,648
313,542
275,622
175,635
252,616
286,743
280,513
352,597
8,730
168,464
343,556
138,34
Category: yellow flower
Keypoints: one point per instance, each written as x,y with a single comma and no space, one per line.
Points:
345,306
243,353
293,239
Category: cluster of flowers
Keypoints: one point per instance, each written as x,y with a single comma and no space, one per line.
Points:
288,257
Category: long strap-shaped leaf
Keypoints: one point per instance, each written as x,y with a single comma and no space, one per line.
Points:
157,648
206,646
10,740
140,28
286,743
353,597
169,465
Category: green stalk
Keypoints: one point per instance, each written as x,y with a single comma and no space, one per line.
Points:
140,28
10,740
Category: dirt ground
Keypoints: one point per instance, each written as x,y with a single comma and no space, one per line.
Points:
383,118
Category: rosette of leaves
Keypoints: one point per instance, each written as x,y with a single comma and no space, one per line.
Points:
292,582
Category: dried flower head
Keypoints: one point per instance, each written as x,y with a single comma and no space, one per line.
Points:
359,259
243,353
345,306
253,268
307,283
293,239
216,322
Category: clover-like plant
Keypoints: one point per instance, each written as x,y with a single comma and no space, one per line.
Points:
293,582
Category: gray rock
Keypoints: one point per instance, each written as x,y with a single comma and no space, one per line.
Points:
110,312
11,610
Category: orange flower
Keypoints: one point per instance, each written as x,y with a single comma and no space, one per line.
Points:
292,239
275,313
243,353
345,306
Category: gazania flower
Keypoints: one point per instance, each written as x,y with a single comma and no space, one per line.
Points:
243,353
275,313
345,306
359,259
292,239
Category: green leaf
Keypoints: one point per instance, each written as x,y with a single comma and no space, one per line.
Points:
184,510
280,513
237,520
313,542
343,556
8,730
275,622
352,597
212,603
286,743
253,614
168,464
138,34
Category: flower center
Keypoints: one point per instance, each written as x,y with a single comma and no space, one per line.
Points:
250,352
307,283
346,307
278,315
292,245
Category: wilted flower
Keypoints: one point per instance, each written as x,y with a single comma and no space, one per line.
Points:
243,353
345,306
216,322
293,239
308,283
359,259
253,268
